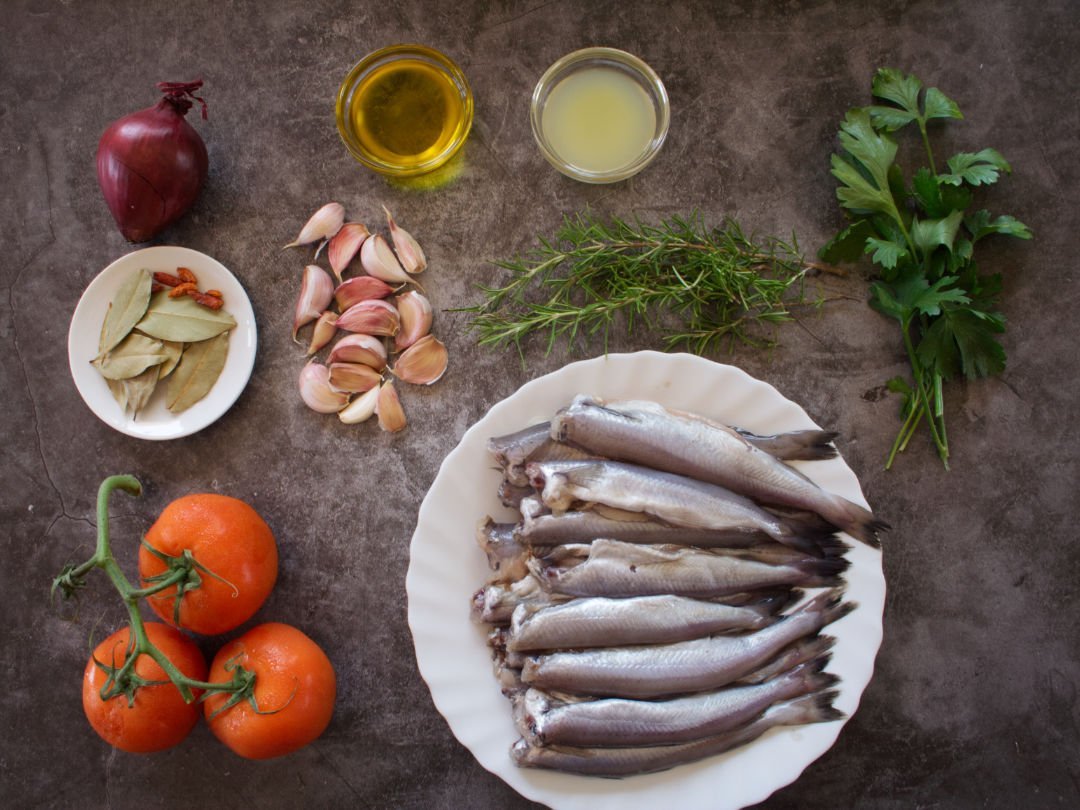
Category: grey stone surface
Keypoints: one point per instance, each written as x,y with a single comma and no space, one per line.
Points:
974,702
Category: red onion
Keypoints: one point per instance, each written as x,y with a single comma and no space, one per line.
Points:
151,164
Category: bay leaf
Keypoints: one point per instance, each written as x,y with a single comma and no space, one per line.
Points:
140,389
104,328
181,319
119,392
199,368
173,349
126,309
131,357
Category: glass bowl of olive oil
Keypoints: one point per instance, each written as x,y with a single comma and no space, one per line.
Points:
404,110
600,115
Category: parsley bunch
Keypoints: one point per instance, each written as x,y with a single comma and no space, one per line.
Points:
921,235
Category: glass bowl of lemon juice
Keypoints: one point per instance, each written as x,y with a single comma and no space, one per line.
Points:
600,115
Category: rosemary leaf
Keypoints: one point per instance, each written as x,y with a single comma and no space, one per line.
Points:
701,287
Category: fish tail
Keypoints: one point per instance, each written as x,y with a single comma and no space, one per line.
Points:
826,572
808,533
814,708
857,521
830,605
798,445
817,649
810,676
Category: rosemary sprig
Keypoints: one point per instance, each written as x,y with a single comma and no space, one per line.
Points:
701,286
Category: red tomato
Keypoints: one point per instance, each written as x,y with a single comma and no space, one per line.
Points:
159,718
235,547
295,688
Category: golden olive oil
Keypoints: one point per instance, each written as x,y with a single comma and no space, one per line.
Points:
406,112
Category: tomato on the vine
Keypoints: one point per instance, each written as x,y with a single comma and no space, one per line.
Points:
294,690
229,556
157,716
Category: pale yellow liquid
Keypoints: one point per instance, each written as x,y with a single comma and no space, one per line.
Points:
598,119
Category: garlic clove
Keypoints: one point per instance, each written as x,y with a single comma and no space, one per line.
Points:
345,245
360,288
378,260
389,410
323,224
422,363
325,329
372,317
353,378
408,249
360,409
416,315
316,292
358,348
316,392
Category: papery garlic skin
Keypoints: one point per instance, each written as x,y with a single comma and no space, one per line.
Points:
360,409
379,260
316,293
423,363
345,245
324,223
408,249
316,392
360,288
388,407
416,316
373,317
359,348
353,378
325,329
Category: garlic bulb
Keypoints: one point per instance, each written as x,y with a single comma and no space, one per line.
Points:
316,292
316,392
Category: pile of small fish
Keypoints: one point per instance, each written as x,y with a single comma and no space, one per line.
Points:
647,609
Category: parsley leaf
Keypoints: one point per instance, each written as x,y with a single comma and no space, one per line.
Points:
976,169
962,340
921,237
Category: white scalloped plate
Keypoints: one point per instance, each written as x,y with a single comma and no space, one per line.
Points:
155,421
446,567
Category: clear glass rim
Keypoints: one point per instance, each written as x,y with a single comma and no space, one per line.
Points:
394,53
600,55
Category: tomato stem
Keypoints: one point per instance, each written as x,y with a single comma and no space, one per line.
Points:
123,680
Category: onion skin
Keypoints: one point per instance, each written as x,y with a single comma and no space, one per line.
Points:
151,164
